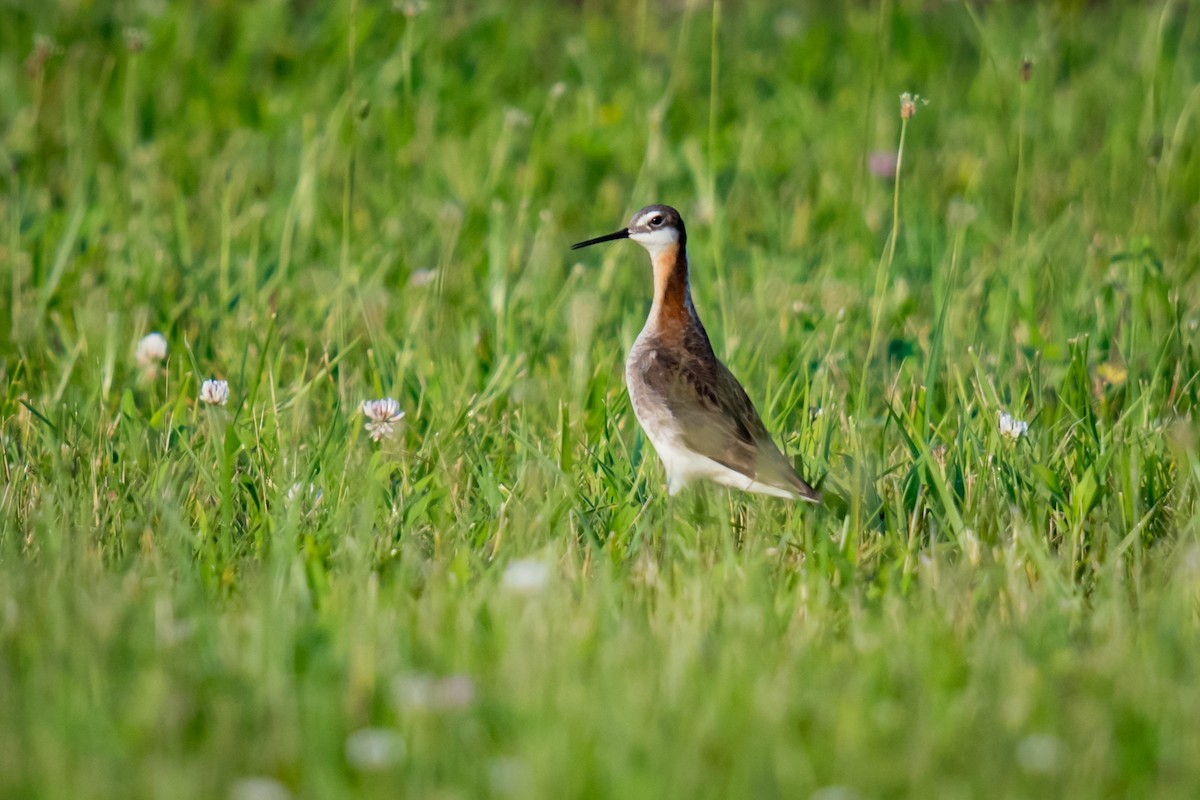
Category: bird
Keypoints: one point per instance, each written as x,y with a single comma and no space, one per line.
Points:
697,416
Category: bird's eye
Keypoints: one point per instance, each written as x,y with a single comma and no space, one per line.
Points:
656,221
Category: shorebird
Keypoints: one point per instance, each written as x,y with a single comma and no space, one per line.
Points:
695,413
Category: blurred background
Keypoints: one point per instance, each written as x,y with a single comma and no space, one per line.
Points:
976,327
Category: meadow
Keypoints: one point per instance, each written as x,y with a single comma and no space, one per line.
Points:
975,328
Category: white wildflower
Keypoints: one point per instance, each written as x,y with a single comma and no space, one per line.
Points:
960,213
214,392
382,416
525,576
424,692
835,793
386,409
508,777
1041,754
1011,427
151,351
516,118
374,749
454,691
421,277
789,25
410,8
258,788
413,692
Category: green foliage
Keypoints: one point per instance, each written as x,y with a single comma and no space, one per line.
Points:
327,203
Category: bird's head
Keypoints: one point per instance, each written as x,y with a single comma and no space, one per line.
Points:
655,228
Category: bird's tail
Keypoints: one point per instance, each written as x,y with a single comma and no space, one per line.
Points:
803,490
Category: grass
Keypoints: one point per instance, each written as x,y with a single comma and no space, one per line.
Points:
326,203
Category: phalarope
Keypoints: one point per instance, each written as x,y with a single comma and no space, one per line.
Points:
696,414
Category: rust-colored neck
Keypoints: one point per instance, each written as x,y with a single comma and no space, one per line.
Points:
672,309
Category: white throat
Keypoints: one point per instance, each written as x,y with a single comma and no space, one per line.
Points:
656,241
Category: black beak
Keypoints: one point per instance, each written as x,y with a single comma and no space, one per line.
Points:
621,234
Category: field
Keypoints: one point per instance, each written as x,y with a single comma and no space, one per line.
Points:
976,328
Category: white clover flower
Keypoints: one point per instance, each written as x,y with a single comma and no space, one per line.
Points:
384,410
1011,427
422,277
835,793
516,118
151,350
525,576
410,8
508,777
1041,754
454,692
413,692
789,25
374,749
214,392
258,788
960,213
423,692
382,416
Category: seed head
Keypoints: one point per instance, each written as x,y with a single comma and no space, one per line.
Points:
135,40
1026,69
908,105
43,48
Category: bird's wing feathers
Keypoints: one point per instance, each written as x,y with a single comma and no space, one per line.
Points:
717,419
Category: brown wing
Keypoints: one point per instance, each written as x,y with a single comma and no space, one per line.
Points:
716,417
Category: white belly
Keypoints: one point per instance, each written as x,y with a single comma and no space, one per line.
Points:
683,466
